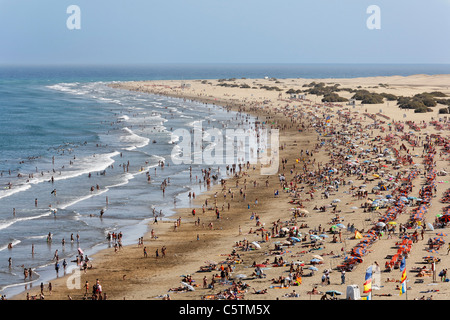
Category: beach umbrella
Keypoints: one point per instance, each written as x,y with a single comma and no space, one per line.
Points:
432,251
316,256
313,268
340,225
315,237
188,286
353,258
439,239
333,293
295,239
359,251
392,222
441,234
256,244
381,224
323,235
315,260
429,258
430,226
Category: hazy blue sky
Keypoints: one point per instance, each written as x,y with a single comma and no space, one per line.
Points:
224,31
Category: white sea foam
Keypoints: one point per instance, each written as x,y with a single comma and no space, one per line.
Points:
13,243
69,204
81,166
7,223
85,165
133,140
174,138
15,189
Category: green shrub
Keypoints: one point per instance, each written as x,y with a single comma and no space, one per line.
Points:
437,94
333,97
367,97
421,110
389,96
444,101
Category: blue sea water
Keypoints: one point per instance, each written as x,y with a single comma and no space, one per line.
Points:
65,123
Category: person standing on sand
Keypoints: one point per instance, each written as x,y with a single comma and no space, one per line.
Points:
86,286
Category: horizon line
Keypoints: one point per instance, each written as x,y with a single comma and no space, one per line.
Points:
112,64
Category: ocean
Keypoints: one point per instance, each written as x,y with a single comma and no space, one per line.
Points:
71,146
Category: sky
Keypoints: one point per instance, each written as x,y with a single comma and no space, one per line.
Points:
224,31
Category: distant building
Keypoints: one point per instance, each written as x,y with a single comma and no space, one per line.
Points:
297,96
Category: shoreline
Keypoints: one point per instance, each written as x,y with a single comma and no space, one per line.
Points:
184,242
166,221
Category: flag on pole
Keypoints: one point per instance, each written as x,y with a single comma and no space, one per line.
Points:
368,280
403,264
403,287
367,286
403,277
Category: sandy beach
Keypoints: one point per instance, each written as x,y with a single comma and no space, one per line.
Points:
343,169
